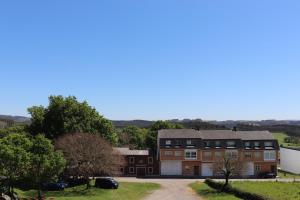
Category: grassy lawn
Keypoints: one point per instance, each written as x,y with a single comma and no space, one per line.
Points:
273,190
210,194
126,191
280,137
283,174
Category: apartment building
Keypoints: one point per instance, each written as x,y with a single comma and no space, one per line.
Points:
188,152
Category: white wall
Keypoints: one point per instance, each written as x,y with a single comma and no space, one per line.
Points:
290,160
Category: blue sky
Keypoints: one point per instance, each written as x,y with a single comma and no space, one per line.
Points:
153,59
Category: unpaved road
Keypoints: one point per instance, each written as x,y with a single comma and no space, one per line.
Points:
171,189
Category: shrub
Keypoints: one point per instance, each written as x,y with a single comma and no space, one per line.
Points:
236,192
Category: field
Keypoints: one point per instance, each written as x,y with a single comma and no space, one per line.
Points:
210,194
272,190
126,191
281,136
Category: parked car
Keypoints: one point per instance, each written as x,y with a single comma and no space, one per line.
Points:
267,175
56,186
106,183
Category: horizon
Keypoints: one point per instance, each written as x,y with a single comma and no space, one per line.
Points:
154,60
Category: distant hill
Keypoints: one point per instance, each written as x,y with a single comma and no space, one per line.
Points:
8,120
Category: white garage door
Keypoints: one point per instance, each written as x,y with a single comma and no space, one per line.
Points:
206,169
249,169
171,167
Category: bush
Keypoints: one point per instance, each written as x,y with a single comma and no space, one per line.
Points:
236,192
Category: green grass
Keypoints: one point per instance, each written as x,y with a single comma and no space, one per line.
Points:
283,174
281,136
210,194
126,191
273,190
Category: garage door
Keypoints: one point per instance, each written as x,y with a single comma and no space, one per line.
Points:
249,169
171,167
206,169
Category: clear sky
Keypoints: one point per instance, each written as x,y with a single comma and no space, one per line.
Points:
148,59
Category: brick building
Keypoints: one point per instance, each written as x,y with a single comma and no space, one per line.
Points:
137,162
187,152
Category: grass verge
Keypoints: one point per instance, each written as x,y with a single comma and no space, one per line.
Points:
126,191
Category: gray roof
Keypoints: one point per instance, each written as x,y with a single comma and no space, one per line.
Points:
218,134
255,135
126,151
215,134
178,133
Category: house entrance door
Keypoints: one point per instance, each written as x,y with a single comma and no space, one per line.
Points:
196,170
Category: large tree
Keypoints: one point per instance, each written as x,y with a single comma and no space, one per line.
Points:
46,163
133,136
14,158
68,115
88,155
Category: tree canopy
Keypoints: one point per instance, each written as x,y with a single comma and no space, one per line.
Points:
68,115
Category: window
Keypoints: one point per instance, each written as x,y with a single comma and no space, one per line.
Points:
168,142
150,160
122,170
230,144
207,144
168,153
131,160
189,142
218,154
177,143
207,155
247,145
257,168
150,170
257,155
131,170
247,155
178,153
231,153
269,145
191,154
217,144
269,155
256,145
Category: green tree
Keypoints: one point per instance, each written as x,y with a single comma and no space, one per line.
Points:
46,164
22,129
151,138
67,115
14,158
133,136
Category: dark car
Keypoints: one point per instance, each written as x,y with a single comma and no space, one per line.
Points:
267,175
106,183
57,186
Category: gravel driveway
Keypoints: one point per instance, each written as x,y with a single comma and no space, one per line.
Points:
171,189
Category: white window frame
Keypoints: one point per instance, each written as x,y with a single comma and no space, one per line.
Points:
217,145
168,153
150,160
190,154
230,144
131,170
257,146
168,142
247,146
178,153
189,142
232,154
269,155
150,171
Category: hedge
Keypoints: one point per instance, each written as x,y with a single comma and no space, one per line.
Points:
236,192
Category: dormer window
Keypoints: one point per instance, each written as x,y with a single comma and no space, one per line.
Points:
217,144
269,145
256,145
207,144
247,145
177,143
168,142
189,142
230,144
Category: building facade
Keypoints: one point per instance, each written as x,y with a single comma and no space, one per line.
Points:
137,163
187,152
